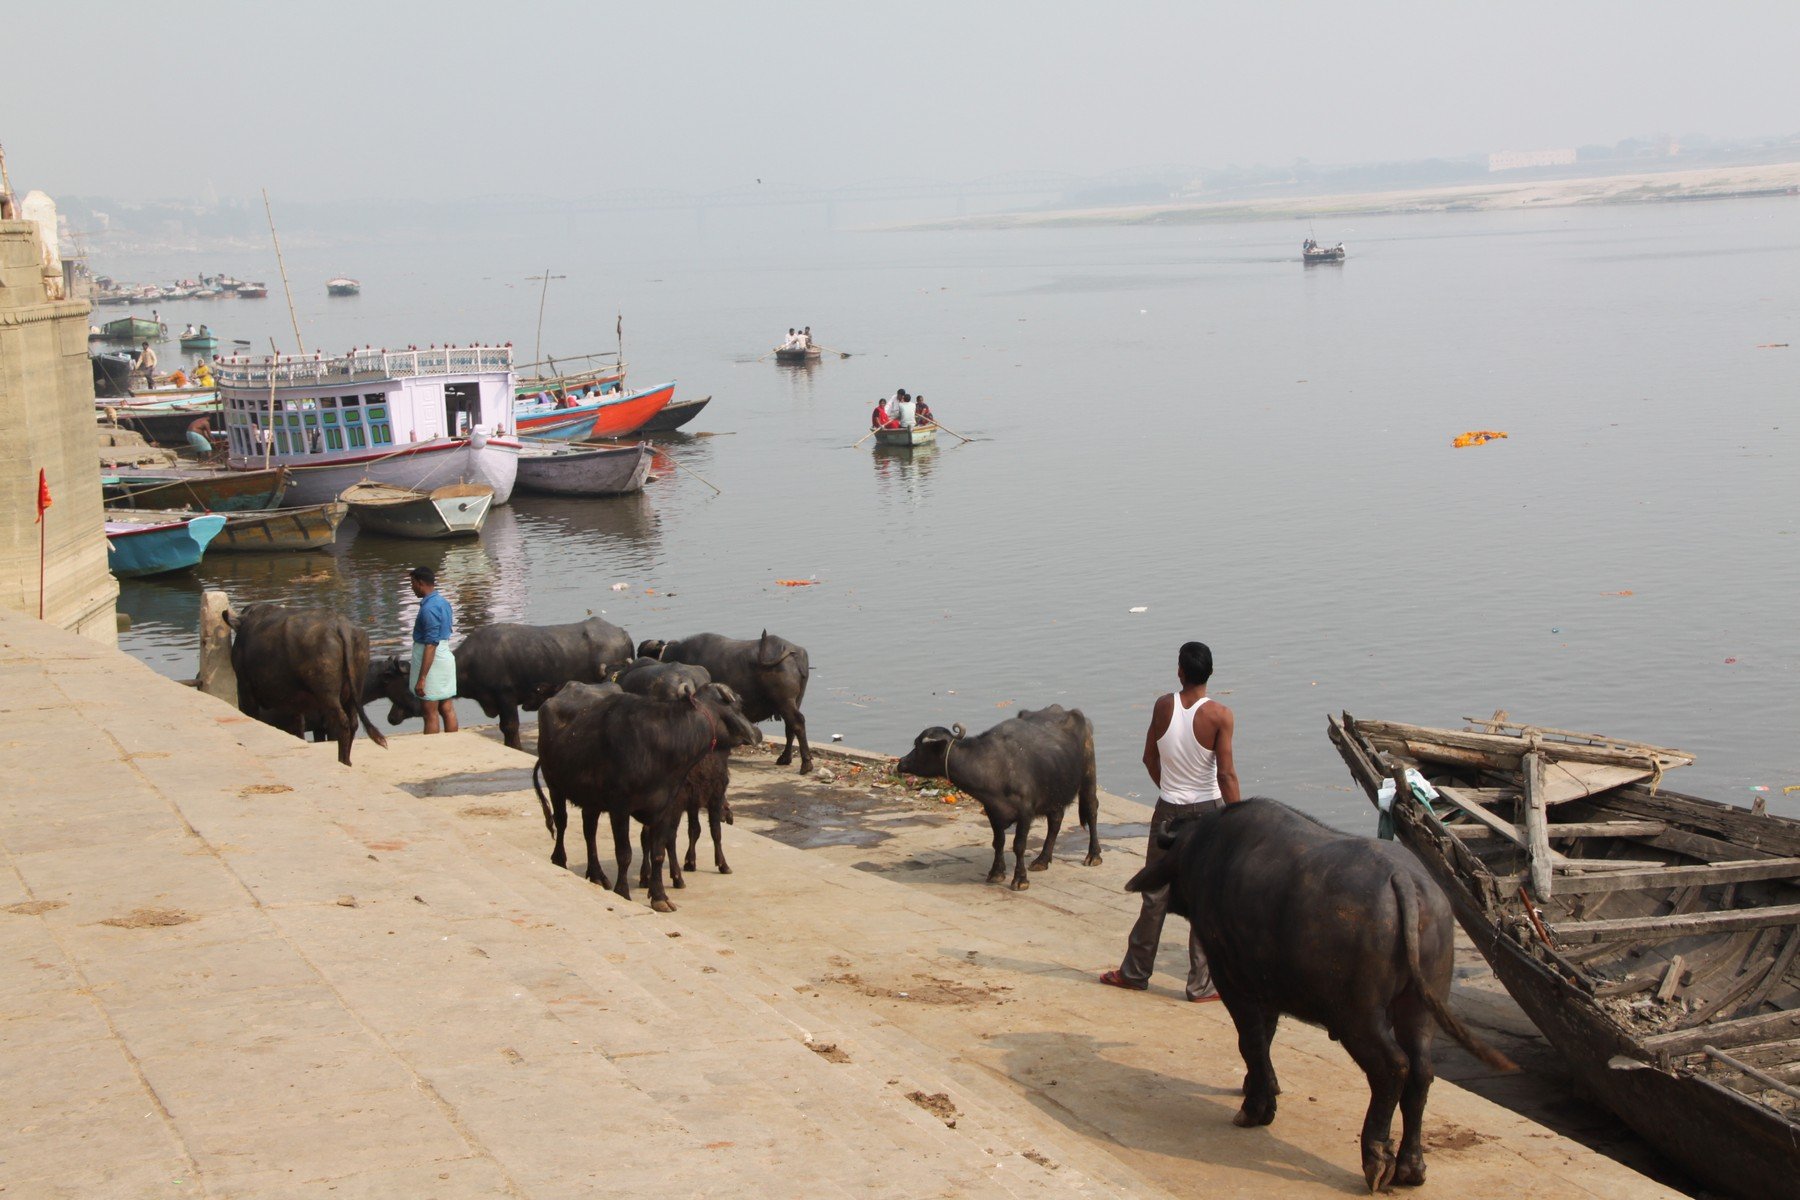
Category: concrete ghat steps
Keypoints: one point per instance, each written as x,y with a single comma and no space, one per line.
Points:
1141,1075
353,993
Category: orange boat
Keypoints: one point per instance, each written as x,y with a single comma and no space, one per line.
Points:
617,415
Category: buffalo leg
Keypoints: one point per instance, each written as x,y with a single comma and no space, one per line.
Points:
1255,1030
1052,826
559,825
509,725
344,729
713,822
1379,1055
671,833
659,842
692,861
1413,1025
590,826
795,726
998,871
1023,835
621,823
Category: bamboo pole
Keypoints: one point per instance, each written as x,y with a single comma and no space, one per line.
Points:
269,429
281,265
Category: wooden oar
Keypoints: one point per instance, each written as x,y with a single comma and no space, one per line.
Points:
950,431
676,463
839,353
865,437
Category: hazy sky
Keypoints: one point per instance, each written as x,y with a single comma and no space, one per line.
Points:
373,98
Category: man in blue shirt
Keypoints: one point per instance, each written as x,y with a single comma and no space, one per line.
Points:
433,666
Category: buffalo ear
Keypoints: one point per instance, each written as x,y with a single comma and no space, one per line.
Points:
1158,874
1165,838
231,619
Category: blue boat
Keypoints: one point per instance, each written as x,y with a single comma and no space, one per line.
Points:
136,547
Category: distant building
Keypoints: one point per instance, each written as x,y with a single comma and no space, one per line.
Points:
1513,160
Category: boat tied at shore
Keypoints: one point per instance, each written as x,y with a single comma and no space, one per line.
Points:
1650,936
454,510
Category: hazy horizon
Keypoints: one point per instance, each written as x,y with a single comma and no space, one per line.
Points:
415,102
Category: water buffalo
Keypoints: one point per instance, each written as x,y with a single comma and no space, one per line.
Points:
648,677
707,783
628,756
301,667
769,676
1345,932
1028,767
505,668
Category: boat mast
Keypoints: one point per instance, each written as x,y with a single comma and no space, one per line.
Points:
537,354
269,429
299,341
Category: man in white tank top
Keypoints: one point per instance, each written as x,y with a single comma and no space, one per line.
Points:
1189,756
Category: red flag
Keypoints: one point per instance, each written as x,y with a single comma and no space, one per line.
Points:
43,495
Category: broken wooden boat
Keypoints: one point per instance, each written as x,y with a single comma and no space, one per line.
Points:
1651,936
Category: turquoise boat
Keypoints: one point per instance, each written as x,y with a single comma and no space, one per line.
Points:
136,547
202,338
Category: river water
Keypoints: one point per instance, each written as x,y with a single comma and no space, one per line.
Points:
1182,420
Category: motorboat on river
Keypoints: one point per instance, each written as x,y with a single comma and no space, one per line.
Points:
416,419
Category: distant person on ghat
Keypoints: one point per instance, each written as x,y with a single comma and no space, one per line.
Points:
1188,753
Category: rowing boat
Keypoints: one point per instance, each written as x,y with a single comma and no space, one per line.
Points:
455,510
914,435
587,471
267,530
1651,936
796,354
674,415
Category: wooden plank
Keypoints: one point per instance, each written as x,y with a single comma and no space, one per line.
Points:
1564,831
1565,781
1762,1077
1537,836
1461,798
1502,746
1783,961
1704,873
1572,865
1665,991
1766,1027
1675,925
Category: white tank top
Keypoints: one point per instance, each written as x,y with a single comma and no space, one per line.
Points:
1190,772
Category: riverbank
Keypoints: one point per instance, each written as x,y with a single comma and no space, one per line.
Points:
256,973
1713,183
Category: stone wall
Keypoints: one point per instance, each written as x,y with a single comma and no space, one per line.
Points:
47,422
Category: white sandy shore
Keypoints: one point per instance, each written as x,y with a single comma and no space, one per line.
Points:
1713,183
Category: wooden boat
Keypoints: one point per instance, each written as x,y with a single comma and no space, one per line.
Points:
796,354
674,415
136,547
199,488
112,374
455,510
1312,252
612,414
252,291
339,287
165,423
134,329
201,339
918,435
1651,936
589,471
581,376
268,530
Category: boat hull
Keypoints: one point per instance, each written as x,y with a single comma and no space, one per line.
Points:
284,530
810,354
420,466
459,510
918,435
139,551
606,471
616,416
211,491
166,424
674,415
205,343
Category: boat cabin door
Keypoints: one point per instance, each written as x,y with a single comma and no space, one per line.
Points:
462,408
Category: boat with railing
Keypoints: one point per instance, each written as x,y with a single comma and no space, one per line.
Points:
413,418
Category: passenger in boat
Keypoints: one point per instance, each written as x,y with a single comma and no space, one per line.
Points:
793,340
190,331
433,676
146,362
905,411
806,337
1188,753
879,419
922,412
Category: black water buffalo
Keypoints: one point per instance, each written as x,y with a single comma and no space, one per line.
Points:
1345,932
769,676
648,677
706,784
302,667
628,756
505,668
1028,767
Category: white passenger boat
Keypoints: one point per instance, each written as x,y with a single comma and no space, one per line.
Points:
413,418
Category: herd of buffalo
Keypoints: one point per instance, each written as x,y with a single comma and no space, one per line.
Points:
1296,918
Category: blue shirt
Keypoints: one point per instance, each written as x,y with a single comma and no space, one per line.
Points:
433,622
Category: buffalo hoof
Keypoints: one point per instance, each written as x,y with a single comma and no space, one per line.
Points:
1092,860
1254,1113
1042,864
1410,1172
724,868
692,864
597,877
558,859
996,877
662,906
806,768
1021,884
785,758
1378,1166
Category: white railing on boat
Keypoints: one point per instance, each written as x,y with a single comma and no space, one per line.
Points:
360,365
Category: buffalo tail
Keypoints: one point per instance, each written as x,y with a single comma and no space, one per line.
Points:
537,771
1407,899
353,697
1087,809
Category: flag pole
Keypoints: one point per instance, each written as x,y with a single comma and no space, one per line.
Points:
43,533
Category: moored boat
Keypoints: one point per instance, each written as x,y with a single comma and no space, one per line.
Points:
252,291
269,530
674,415
454,510
166,422
613,414
917,435
340,286
587,471
412,418
134,329
198,488
137,547
1651,936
